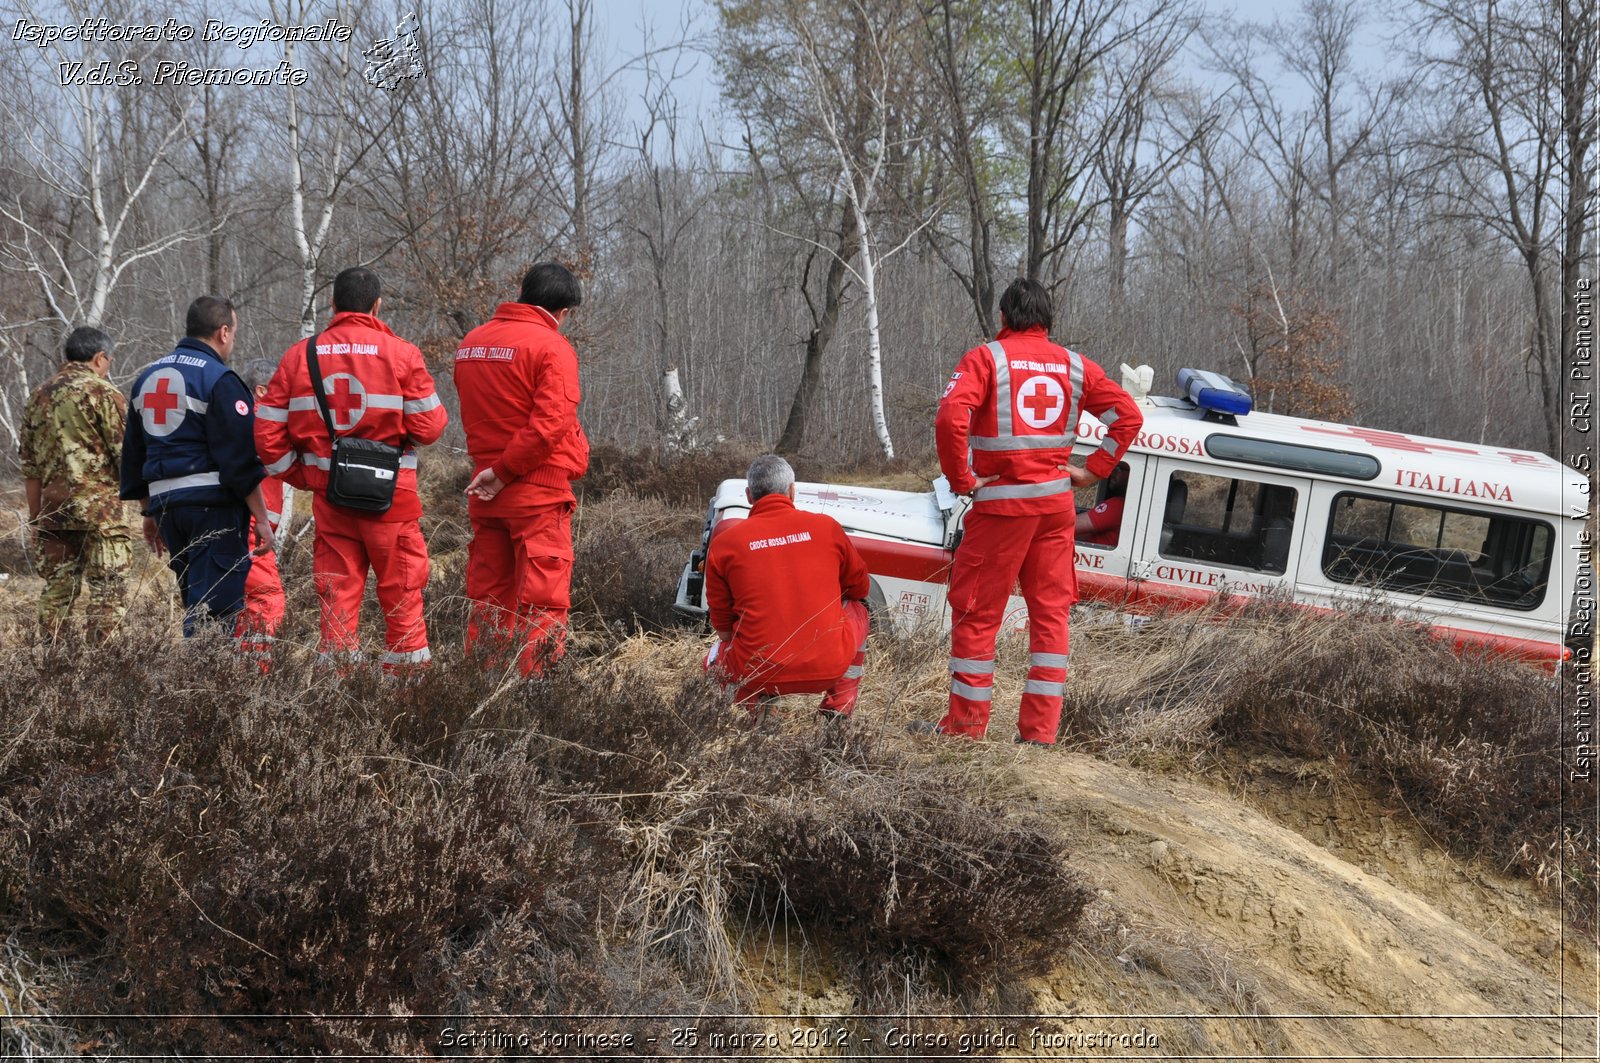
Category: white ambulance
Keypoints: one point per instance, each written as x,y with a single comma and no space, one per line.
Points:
1484,544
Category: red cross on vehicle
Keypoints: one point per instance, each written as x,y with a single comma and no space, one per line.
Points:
1389,440
1042,402
345,403
161,401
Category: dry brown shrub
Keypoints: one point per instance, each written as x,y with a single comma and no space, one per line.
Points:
629,552
195,839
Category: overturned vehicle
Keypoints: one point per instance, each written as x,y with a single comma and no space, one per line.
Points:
1485,545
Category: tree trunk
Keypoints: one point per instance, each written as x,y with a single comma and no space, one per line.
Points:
794,429
869,285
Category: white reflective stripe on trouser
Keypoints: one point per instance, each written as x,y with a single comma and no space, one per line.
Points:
423,405
422,656
1039,490
855,671
971,666
1048,660
1044,686
178,483
282,464
970,692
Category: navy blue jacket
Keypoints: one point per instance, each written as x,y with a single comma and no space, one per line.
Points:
191,433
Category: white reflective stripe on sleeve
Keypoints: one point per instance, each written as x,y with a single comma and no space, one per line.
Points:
197,405
970,692
1108,418
408,460
1039,490
281,465
855,671
384,402
1021,442
1043,686
178,483
423,405
971,666
1109,446
1002,388
422,656
1048,660
303,404
272,413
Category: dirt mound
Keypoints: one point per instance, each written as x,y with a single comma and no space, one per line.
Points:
1211,906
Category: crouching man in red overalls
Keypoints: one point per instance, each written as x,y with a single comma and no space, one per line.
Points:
1013,404
786,592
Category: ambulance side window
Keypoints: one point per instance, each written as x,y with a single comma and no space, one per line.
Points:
1228,522
1435,550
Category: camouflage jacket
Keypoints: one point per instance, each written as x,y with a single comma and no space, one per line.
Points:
72,444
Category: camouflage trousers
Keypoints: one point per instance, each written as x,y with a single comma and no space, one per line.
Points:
95,562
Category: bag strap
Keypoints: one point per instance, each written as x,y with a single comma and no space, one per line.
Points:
317,385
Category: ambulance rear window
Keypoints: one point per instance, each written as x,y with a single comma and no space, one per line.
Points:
1492,559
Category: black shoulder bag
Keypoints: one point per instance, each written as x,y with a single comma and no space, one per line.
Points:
361,472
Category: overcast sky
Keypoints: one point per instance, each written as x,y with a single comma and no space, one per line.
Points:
625,26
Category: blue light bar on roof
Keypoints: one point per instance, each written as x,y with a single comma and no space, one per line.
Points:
1214,392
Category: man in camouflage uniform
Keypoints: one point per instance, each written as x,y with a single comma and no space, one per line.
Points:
71,453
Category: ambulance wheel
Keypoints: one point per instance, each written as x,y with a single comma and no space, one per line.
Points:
877,607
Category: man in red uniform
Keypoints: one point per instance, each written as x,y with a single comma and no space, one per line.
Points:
264,602
378,388
517,378
1101,525
1015,402
786,592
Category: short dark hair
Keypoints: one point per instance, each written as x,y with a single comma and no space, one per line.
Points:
1025,305
550,285
257,372
355,289
84,342
206,316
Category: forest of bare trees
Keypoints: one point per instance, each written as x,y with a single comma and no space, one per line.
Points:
1392,238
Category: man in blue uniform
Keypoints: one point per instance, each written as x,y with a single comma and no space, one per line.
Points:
190,457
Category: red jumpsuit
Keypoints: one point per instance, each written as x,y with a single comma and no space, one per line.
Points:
517,379
264,602
789,586
378,388
1015,402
